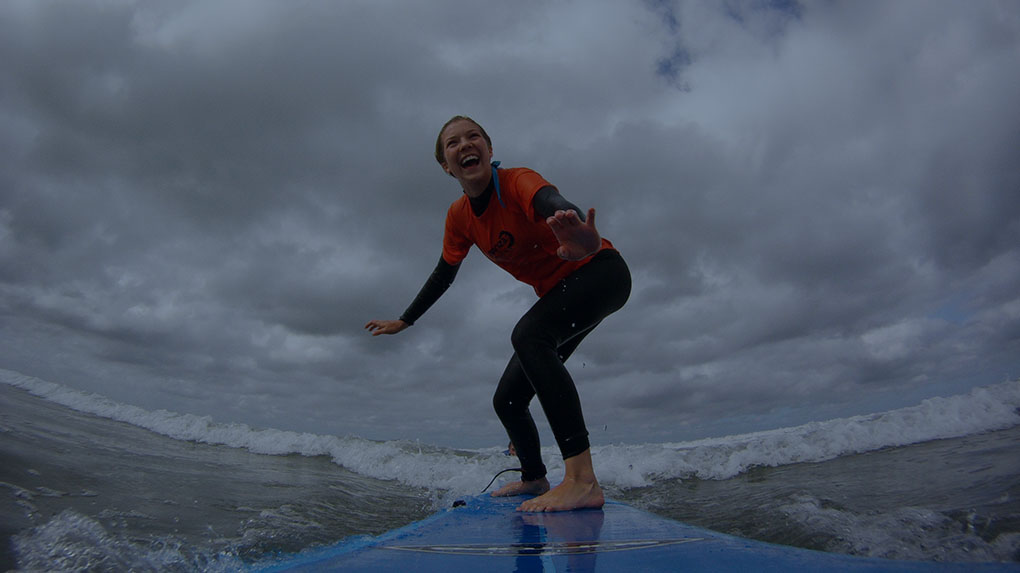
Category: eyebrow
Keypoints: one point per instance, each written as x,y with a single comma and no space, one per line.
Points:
472,131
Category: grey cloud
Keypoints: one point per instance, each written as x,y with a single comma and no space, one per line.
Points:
206,201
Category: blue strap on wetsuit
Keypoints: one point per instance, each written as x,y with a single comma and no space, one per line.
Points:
495,180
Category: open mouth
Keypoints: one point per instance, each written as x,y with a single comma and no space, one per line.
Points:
470,161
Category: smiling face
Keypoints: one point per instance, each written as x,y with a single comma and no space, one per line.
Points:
467,155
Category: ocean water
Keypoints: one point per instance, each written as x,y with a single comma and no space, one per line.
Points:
88,484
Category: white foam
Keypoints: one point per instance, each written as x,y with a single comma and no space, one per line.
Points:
984,409
463,472
71,541
904,533
409,462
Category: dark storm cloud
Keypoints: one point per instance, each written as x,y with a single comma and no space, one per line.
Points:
204,202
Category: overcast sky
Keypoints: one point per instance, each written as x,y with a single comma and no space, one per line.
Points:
202,203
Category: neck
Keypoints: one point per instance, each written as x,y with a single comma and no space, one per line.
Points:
476,188
481,203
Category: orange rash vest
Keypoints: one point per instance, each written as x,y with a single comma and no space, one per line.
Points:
510,233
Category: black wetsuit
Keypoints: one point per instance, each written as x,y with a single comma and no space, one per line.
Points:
543,339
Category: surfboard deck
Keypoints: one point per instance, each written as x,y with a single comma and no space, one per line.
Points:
487,534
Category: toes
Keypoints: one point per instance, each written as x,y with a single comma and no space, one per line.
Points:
528,506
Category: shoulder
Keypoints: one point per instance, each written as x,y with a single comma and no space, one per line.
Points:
458,206
522,177
458,213
521,184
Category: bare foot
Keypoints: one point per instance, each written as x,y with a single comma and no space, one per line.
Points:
535,487
569,495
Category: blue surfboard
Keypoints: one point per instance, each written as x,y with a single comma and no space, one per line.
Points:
487,534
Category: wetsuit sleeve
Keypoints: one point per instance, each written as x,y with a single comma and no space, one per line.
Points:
548,200
437,283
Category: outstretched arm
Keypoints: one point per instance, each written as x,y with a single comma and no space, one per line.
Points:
577,235
437,283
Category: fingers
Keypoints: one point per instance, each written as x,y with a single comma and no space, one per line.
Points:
563,219
377,327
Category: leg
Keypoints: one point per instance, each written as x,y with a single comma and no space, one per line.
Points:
543,339
511,400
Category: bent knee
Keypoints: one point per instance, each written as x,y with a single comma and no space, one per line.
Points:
500,405
530,333
520,333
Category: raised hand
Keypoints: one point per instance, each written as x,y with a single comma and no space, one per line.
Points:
578,239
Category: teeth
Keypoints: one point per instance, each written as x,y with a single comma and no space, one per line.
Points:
464,161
